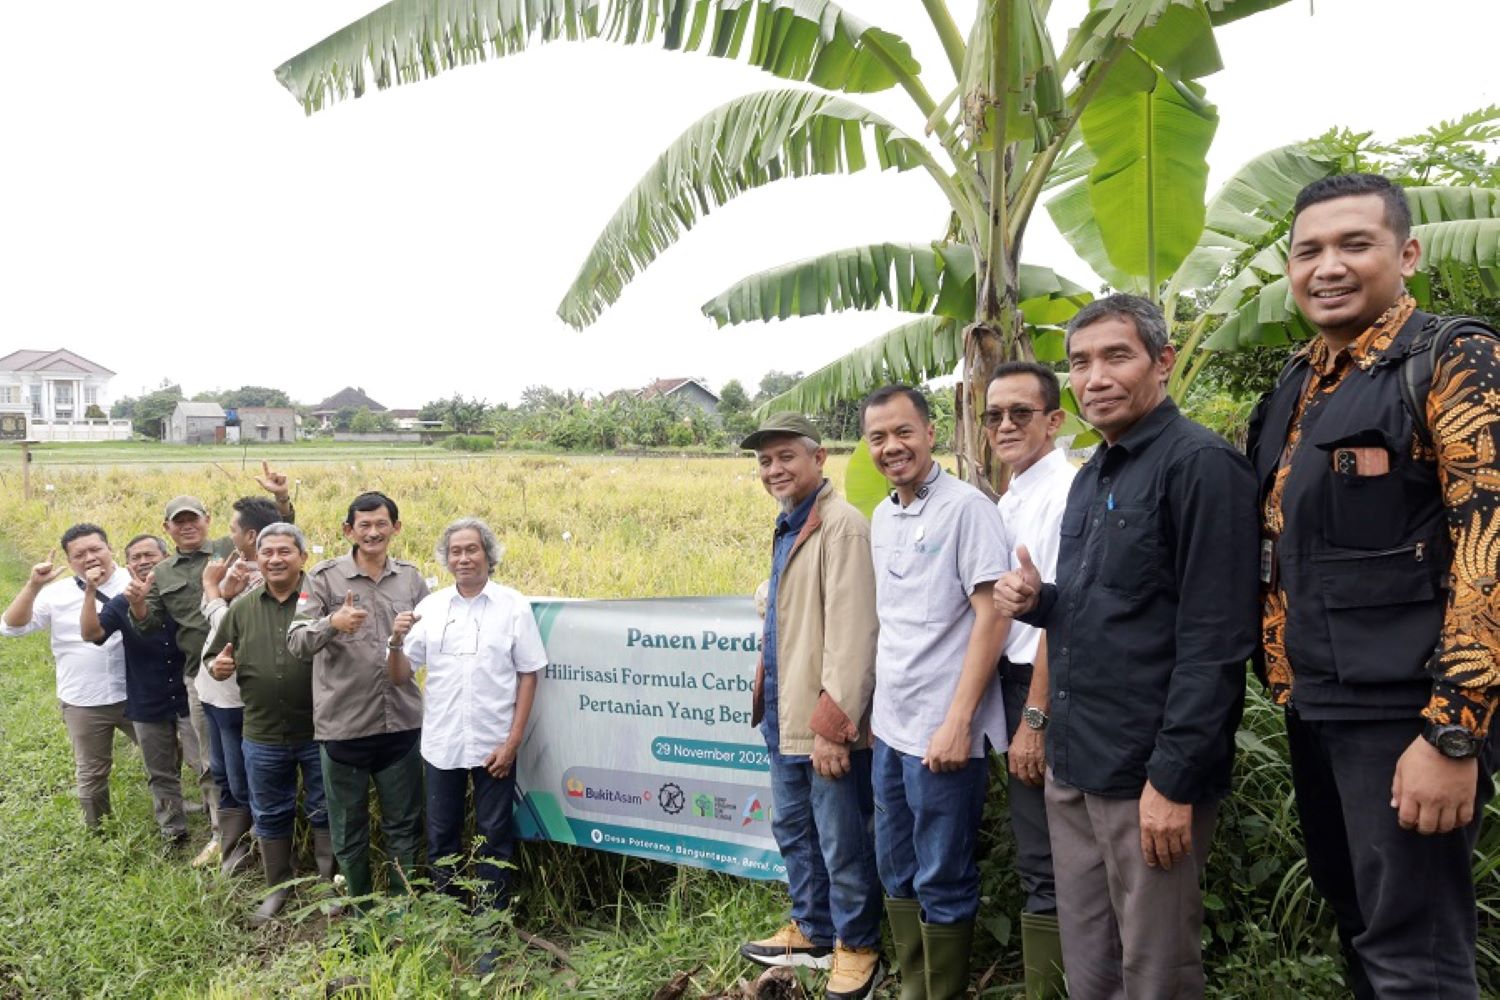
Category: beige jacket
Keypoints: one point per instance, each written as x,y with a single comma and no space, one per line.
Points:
826,630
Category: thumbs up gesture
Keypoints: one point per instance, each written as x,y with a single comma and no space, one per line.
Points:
1016,591
223,664
349,618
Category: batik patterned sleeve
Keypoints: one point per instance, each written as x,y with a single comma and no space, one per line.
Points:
1463,411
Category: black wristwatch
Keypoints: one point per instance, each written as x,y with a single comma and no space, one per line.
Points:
1454,742
1034,717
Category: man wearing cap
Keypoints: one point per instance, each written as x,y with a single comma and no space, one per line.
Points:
812,703
176,594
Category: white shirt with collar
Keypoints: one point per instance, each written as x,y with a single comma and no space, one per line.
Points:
473,650
1031,515
87,675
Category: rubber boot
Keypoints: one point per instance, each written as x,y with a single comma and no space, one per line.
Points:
946,948
905,916
234,827
277,855
1041,955
323,853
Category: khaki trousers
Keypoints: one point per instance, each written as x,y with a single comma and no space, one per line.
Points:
193,731
91,730
1128,931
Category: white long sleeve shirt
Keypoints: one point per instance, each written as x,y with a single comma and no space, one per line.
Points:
87,675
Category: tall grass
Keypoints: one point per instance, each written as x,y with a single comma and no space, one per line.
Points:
114,915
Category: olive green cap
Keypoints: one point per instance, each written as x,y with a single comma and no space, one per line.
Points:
783,423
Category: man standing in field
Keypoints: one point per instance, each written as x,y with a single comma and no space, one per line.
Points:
176,594
937,550
812,702
1378,458
1149,627
369,728
155,698
1023,413
90,678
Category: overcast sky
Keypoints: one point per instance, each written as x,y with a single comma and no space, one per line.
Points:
169,212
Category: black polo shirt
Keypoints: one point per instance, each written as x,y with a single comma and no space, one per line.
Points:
154,688
1154,614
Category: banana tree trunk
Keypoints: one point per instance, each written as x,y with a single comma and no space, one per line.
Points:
997,336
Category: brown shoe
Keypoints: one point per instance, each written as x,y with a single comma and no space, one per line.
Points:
788,946
856,973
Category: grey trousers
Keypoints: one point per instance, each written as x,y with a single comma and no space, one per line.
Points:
91,730
163,759
1128,931
1028,804
195,753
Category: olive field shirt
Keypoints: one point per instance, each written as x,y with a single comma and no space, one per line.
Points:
176,594
353,695
275,683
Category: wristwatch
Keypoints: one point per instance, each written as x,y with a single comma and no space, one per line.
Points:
1034,717
1454,742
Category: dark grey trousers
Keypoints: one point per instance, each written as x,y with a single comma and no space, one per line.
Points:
1028,804
1404,902
162,757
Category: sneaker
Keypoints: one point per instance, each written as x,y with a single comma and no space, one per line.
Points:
856,973
788,946
208,856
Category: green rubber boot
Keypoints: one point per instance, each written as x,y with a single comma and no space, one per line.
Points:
1041,954
905,916
946,948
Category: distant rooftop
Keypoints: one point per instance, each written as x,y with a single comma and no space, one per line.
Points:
61,360
348,398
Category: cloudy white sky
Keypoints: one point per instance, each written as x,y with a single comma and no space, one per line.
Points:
168,211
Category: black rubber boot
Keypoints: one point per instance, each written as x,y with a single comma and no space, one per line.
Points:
277,855
234,829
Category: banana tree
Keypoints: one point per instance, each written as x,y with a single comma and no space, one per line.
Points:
1116,111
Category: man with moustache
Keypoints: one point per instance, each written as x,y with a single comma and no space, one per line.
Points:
1023,413
937,549
1149,627
90,678
155,698
1378,457
812,702
369,728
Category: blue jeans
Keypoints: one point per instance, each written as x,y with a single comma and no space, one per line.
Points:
226,758
272,772
926,831
494,805
825,829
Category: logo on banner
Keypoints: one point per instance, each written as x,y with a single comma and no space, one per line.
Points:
575,788
671,798
753,811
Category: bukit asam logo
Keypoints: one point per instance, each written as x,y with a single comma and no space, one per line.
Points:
575,788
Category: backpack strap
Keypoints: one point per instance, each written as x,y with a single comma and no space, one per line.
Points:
1421,363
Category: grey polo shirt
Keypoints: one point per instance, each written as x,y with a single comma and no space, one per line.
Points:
929,557
352,692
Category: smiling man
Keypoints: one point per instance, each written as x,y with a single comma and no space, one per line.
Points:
937,550
1377,459
368,727
812,703
1149,627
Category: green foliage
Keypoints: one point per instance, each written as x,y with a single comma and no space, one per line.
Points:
774,383
469,442
735,416
465,416
246,395
367,421
94,412
148,414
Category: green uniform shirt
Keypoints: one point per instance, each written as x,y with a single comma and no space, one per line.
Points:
275,685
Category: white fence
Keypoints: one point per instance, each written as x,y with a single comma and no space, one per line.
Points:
80,430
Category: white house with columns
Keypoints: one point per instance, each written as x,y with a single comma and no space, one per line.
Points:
55,390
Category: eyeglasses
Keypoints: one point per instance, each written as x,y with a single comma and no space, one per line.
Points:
1019,415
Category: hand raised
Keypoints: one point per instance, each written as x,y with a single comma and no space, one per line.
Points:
1016,592
44,573
93,577
348,619
273,482
215,569
402,625
136,590
223,664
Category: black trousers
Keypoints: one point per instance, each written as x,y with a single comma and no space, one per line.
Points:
1028,807
1404,902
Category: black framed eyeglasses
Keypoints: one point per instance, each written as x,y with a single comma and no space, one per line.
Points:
1019,415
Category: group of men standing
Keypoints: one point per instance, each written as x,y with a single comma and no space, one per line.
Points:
1098,625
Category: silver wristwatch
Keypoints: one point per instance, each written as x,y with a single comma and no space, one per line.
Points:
1034,717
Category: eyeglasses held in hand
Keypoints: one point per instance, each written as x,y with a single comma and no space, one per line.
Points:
1019,415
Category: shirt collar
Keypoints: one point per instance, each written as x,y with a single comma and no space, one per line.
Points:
1369,347
296,595
1146,429
351,567
491,591
791,523
1039,472
929,486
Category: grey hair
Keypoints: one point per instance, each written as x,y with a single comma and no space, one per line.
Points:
283,528
1149,323
493,550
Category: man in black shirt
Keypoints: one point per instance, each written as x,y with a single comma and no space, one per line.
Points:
1149,627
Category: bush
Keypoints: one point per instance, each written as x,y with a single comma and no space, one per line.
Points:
469,442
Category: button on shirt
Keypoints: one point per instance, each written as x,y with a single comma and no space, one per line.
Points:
154,691
929,557
1154,613
87,675
473,649
1031,515
788,527
276,685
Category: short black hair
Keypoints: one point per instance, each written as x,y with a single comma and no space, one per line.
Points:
81,530
886,393
373,500
256,512
1046,378
1397,210
1145,315
147,537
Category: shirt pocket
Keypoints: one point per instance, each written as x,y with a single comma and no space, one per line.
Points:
1383,611
1126,540
903,586
1365,511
